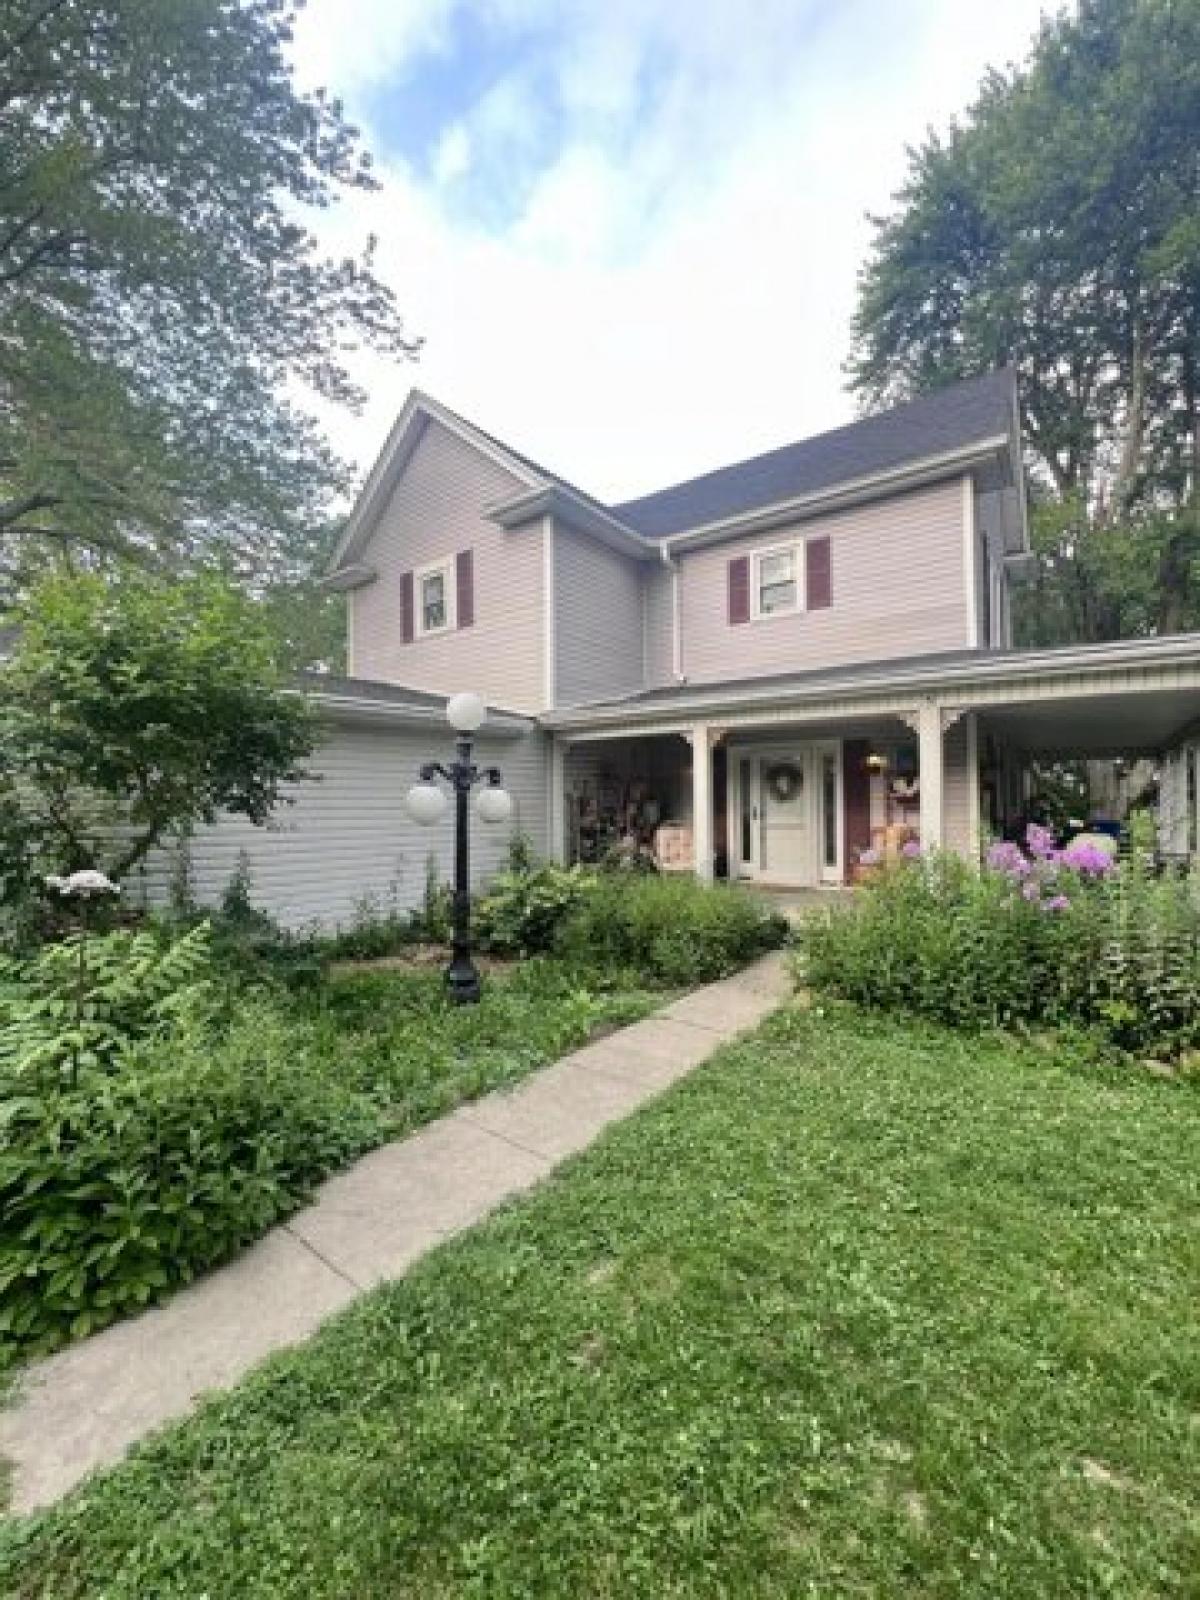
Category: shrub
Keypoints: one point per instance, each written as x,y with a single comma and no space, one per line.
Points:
81,1003
117,1192
670,930
524,909
1039,936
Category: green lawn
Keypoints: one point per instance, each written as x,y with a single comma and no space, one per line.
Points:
862,1309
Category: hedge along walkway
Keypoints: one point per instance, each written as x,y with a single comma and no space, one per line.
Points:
83,1407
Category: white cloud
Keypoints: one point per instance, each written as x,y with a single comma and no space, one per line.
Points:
452,158
674,288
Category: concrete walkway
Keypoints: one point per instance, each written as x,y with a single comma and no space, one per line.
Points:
82,1408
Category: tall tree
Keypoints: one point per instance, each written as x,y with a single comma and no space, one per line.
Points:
167,316
1057,228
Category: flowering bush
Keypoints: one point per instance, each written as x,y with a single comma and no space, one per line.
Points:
1040,935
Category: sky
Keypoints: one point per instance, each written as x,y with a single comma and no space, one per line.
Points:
629,231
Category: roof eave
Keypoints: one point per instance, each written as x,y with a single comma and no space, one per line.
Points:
700,701
353,708
355,575
417,412
558,501
839,496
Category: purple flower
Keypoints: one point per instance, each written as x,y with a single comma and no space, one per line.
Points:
1058,902
910,849
1090,859
1007,858
1039,841
1032,891
869,858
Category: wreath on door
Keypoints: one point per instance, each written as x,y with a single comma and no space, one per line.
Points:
785,782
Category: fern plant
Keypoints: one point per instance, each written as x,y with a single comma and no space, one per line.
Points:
82,1003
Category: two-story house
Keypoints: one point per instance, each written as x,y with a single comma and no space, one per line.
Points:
766,673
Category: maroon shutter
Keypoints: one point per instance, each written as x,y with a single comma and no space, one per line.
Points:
818,581
464,570
739,590
856,801
406,608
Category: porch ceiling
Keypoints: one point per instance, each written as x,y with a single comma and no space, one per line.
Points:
1137,723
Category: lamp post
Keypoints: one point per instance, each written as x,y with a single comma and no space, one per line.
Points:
426,805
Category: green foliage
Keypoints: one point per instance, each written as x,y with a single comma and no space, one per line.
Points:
968,949
131,709
437,905
866,1309
671,930
168,312
525,907
82,1004
210,1105
118,1192
1054,228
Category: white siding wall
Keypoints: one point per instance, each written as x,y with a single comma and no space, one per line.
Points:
348,835
598,620
899,588
436,511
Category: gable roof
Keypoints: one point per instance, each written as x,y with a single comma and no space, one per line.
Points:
415,415
932,431
951,419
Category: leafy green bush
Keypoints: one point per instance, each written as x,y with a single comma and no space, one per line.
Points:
83,1002
1117,951
524,909
116,1192
670,930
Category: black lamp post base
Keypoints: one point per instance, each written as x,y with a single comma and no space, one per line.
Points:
462,981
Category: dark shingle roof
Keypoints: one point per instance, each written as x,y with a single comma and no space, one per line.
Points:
959,415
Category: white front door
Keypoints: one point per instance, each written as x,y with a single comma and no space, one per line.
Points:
786,813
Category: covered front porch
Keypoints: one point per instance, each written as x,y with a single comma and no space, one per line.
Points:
798,806
800,784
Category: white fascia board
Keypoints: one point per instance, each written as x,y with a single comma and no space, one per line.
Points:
557,501
354,576
350,708
1002,666
852,492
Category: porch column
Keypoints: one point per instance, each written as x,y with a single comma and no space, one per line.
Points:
556,825
929,735
702,800
974,795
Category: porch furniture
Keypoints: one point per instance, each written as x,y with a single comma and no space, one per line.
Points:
674,847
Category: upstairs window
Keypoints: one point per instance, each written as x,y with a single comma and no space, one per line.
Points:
435,606
776,581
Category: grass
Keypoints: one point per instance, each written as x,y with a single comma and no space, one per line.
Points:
862,1309
394,1036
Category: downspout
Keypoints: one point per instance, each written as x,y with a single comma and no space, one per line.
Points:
672,567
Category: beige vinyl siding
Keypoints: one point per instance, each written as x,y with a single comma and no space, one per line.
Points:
598,627
347,835
436,511
659,625
899,589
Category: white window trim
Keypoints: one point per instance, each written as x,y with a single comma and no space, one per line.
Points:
793,547
445,568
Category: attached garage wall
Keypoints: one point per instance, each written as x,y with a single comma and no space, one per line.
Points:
347,834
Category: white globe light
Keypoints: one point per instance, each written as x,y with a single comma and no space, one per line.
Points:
494,805
465,711
426,803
